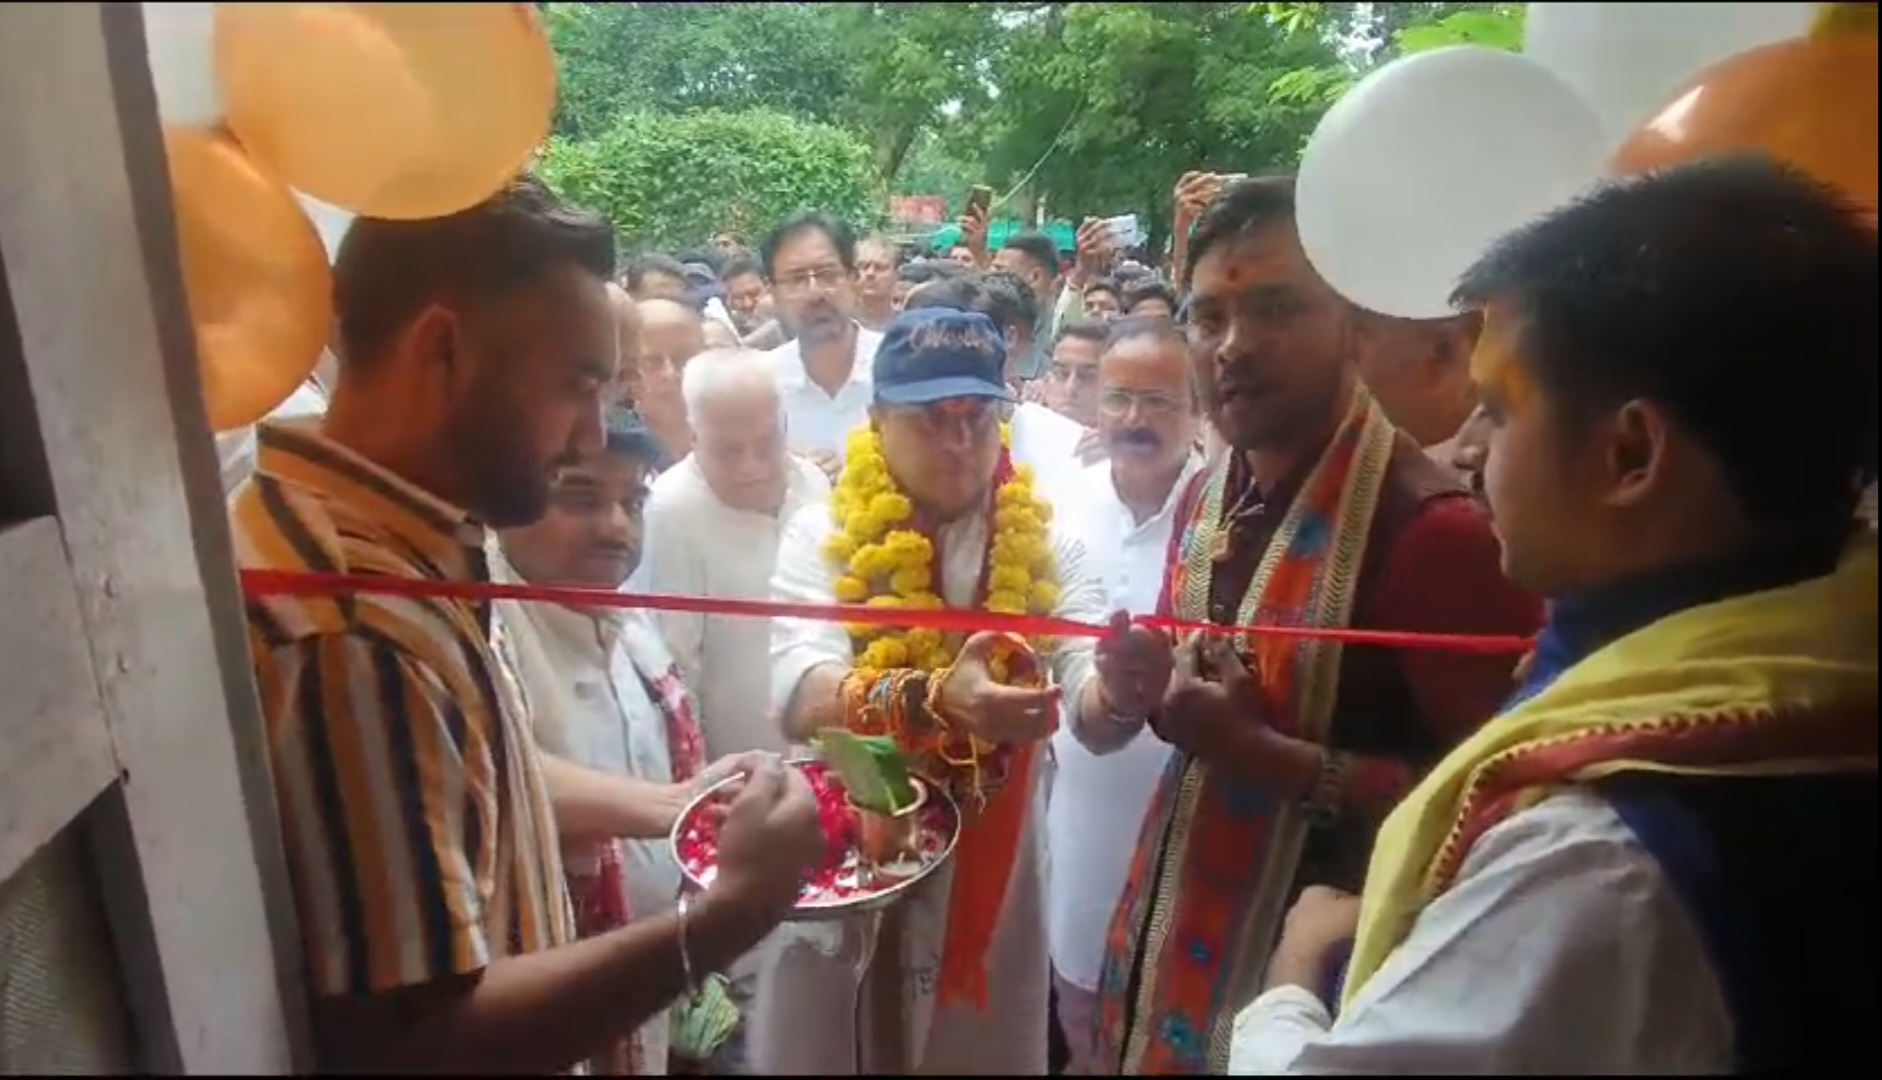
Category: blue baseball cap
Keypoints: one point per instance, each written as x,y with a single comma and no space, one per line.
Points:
933,354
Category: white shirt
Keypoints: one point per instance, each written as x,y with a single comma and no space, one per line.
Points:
715,310
1048,443
818,420
1098,802
589,705
1561,948
805,576
698,546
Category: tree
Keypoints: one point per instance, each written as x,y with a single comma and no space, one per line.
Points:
941,164
672,181
1373,34
889,72
1079,108
1102,106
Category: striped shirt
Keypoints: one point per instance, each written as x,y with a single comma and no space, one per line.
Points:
418,828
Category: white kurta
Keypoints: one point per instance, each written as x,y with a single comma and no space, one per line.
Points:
1098,801
804,1021
815,418
588,704
1048,444
698,546
1560,949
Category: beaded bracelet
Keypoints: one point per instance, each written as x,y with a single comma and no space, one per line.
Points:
905,705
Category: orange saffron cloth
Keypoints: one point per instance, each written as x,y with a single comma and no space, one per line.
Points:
983,867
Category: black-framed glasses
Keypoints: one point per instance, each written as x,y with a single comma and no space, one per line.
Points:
804,281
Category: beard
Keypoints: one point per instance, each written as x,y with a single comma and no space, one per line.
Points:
510,480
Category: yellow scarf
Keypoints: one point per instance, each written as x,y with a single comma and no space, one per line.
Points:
1774,683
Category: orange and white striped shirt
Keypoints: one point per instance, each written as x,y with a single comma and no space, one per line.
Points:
418,828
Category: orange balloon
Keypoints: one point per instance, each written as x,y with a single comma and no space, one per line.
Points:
260,291
1808,101
400,111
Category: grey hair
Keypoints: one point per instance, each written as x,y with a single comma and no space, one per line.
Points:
717,371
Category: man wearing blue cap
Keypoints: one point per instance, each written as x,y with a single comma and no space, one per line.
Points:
930,512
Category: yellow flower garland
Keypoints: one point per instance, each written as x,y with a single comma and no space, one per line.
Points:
882,563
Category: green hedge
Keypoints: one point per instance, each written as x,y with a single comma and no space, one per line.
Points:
672,182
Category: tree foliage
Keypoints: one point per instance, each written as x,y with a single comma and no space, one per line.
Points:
1102,106
888,72
671,181
1372,34
1076,108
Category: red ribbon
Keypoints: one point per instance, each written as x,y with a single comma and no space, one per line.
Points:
262,583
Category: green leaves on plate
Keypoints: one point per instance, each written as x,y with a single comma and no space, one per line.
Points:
872,768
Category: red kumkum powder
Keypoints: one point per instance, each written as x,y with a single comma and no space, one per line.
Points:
836,880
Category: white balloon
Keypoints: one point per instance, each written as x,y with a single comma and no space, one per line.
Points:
1628,59
179,39
1413,173
329,219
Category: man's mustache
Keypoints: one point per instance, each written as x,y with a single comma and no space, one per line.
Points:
1141,438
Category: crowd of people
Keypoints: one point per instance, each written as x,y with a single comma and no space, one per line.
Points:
1646,846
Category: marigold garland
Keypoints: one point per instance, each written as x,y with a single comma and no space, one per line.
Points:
884,563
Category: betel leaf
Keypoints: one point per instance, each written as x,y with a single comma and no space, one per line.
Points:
871,767
895,772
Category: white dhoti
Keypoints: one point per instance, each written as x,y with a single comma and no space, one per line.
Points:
813,1016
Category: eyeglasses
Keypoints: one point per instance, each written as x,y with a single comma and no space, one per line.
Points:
976,416
827,276
1073,373
1152,402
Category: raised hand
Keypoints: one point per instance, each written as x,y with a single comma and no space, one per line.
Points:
974,226
1195,192
1134,665
1096,248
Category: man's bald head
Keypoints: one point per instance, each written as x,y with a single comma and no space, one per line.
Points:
627,341
1419,370
671,334
667,313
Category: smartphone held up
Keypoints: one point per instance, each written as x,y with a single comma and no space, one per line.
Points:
979,200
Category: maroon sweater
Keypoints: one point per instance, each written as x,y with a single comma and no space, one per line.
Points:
1433,565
